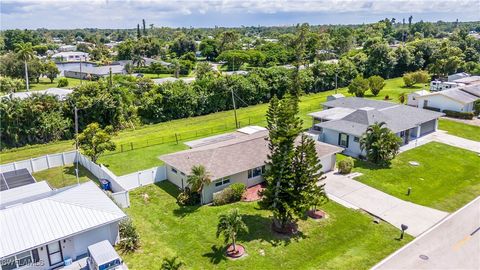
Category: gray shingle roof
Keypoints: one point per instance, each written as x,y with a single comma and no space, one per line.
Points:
396,117
100,70
455,94
357,103
233,156
473,89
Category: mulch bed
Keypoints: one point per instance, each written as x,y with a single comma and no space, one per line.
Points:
235,254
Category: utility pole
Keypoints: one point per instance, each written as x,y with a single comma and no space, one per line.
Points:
234,108
111,77
76,143
336,79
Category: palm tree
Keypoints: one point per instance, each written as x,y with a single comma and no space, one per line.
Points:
171,264
198,178
25,53
380,143
229,225
176,67
138,60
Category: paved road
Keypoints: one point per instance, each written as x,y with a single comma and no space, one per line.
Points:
454,243
354,194
443,137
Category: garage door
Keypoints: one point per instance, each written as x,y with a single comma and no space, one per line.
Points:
427,127
327,163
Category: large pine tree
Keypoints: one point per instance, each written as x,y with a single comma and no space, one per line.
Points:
293,170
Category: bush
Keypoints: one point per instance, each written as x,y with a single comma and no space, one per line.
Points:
62,82
411,78
129,239
345,166
476,107
432,109
408,79
460,115
224,197
376,84
188,198
238,190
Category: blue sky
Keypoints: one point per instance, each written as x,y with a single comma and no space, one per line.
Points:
56,14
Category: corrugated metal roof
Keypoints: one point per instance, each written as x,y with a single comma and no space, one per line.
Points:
473,89
102,252
15,194
58,92
65,213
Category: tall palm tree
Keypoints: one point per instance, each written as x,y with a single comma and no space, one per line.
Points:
138,60
176,68
25,53
380,143
198,178
229,225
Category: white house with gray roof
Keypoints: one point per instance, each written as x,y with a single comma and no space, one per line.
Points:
237,157
343,121
459,99
93,72
40,228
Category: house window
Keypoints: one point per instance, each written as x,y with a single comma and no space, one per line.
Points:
425,103
19,260
222,182
174,170
356,139
256,172
54,251
343,140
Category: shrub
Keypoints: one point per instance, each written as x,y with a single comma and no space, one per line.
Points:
476,107
461,115
376,84
187,197
224,197
129,239
62,82
411,78
387,97
358,86
345,166
408,79
431,108
238,190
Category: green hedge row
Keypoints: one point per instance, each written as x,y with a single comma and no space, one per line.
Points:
461,115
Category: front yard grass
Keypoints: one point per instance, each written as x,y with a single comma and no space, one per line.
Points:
446,179
220,122
45,83
466,131
348,239
63,176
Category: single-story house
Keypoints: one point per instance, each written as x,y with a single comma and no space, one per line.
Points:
70,56
67,48
343,121
412,97
60,93
437,85
452,99
92,72
469,80
237,157
41,228
173,79
457,76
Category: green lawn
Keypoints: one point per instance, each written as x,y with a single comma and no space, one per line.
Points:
460,129
145,155
45,83
59,177
348,239
446,179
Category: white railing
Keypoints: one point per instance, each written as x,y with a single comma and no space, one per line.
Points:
41,163
142,178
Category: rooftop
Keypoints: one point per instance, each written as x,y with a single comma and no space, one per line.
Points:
99,70
228,157
468,80
357,103
60,93
456,94
11,196
332,114
473,89
54,216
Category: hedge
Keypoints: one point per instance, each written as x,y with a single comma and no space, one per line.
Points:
461,115
432,108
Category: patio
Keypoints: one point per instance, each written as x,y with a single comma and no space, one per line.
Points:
252,193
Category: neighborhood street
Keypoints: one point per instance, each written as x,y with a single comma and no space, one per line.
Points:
353,194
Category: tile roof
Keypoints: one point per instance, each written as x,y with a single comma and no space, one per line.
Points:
59,214
233,156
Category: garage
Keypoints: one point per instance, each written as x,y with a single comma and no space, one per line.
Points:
427,127
328,162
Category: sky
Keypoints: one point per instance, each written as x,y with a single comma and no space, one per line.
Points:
68,14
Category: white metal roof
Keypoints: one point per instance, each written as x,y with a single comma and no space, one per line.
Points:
102,252
60,93
64,213
10,196
251,129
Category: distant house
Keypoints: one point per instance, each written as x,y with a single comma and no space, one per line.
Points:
60,93
93,72
41,228
437,85
173,79
412,97
344,120
469,80
459,99
70,56
457,76
237,157
67,48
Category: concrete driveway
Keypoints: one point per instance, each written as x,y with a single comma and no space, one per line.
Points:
354,194
442,136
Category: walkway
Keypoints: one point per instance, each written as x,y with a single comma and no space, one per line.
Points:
353,194
443,137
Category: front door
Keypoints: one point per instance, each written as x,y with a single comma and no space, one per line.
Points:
407,136
55,255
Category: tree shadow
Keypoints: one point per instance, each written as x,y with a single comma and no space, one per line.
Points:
183,211
169,188
260,228
216,255
363,164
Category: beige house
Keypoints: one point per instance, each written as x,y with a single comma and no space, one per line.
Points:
237,157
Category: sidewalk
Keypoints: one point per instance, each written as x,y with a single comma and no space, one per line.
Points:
353,194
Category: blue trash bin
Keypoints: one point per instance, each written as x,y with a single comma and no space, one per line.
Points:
105,184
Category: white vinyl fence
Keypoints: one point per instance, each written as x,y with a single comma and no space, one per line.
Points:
142,178
41,163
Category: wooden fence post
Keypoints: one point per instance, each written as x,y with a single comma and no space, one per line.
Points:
131,145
